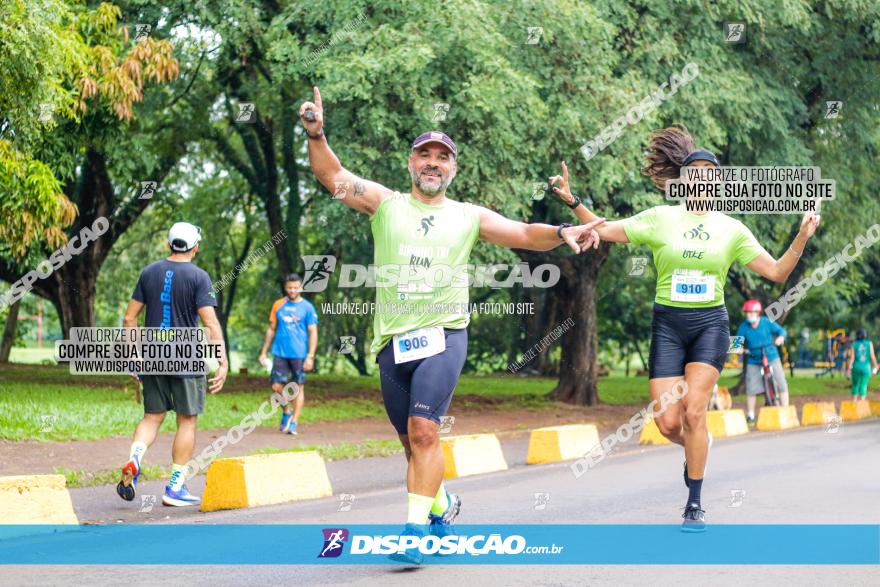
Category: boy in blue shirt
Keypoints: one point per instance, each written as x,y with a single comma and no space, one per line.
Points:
762,337
293,334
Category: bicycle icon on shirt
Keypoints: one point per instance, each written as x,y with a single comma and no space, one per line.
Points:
697,233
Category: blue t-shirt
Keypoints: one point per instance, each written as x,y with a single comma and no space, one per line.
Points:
291,321
173,293
758,336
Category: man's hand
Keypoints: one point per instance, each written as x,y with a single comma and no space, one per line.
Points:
263,360
308,364
582,237
313,127
215,384
779,341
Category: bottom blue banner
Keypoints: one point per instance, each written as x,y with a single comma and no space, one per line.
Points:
473,544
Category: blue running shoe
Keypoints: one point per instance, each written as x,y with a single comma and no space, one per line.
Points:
285,422
412,556
291,427
442,525
181,497
131,472
694,519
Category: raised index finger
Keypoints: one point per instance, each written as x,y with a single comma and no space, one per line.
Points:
318,102
565,172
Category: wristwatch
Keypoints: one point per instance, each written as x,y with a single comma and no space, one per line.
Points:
559,229
575,203
317,136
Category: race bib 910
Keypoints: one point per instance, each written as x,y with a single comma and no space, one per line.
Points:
693,288
418,344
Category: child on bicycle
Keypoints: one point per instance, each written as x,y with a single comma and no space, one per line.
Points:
762,336
861,360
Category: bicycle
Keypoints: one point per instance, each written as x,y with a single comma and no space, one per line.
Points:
771,395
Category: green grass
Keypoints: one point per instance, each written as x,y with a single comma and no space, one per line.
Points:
79,478
345,450
330,452
35,406
46,403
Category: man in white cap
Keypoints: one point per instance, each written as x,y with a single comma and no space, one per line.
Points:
175,293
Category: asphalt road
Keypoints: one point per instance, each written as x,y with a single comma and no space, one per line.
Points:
806,476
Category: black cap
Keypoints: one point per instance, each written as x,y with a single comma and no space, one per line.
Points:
701,155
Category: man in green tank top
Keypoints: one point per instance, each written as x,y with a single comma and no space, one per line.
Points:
422,241
861,361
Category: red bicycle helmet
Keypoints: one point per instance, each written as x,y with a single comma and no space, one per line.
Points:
752,306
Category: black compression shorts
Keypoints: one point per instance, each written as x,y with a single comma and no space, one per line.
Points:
422,387
687,335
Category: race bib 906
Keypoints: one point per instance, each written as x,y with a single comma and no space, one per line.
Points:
418,344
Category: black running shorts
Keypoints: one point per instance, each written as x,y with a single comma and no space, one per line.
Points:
687,335
422,387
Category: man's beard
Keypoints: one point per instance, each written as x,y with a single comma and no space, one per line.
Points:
430,190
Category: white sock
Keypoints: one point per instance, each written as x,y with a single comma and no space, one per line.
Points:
177,476
138,449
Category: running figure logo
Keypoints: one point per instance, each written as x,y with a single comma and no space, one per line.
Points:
334,540
639,264
148,188
246,112
318,269
541,500
832,108
736,497
697,233
141,32
734,32
346,344
427,223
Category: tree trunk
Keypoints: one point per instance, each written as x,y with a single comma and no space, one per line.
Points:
9,331
576,299
73,293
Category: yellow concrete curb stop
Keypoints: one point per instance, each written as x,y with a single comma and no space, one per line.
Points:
850,411
651,434
561,443
777,418
875,408
723,423
814,413
243,482
35,499
472,454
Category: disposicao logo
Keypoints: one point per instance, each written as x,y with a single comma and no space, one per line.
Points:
334,540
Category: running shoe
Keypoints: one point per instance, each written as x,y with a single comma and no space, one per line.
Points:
686,483
291,427
285,422
131,472
694,518
180,497
442,525
412,555
750,420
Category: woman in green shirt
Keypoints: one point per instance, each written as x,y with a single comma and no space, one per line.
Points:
861,360
690,328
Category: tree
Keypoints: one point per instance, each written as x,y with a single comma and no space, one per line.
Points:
85,149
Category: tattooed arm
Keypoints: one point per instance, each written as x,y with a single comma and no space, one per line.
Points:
355,192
